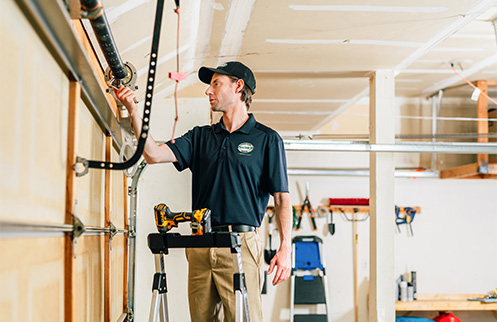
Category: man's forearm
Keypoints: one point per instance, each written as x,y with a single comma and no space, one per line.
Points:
150,144
282,259
284,220
152,152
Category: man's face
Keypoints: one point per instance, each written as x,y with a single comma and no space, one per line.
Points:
222,93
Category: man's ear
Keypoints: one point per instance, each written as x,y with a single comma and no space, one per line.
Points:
239,85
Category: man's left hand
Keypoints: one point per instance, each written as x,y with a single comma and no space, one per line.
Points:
282,260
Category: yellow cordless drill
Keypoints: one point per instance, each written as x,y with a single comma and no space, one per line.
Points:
166,219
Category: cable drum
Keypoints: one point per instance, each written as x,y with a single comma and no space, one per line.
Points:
129,81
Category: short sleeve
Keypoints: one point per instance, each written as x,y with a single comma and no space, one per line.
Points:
183,150
276,166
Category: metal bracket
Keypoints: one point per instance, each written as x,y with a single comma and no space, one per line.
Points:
131,233
78,230
78,227
131,316
84,163
483,168
112,233
113,230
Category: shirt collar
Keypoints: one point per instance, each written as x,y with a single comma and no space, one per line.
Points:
245,129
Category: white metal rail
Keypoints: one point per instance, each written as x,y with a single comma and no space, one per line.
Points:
358,146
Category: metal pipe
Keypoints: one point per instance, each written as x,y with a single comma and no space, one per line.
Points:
357,146
448,136
101,27
18,227
364,137
102,230
360,173
435,113
8,226
133,204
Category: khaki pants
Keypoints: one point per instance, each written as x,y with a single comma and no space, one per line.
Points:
210,280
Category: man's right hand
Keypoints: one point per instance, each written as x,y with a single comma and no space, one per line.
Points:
128,98
152,153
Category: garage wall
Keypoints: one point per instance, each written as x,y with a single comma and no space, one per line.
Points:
33,125
33,149
453,249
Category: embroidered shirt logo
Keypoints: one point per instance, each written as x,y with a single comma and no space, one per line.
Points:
245,147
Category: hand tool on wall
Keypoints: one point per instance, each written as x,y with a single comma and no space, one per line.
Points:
323,211
337,204
165,219
407,219
349,201
354,211
307,205
331,224
269,253
295,217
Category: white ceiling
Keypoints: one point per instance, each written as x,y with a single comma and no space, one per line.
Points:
311,58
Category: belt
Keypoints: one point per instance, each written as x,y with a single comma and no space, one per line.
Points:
234,228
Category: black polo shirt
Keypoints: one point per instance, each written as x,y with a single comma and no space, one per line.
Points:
233,174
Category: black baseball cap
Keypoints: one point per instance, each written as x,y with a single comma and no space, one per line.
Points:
232,68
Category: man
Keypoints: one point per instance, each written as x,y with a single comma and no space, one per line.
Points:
236,165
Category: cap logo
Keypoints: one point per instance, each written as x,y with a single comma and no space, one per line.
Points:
223,65
245,147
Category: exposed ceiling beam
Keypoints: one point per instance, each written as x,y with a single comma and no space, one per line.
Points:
236,23
306,112
445,33
312,73
290,100
197,43
113,13
489,61
359,8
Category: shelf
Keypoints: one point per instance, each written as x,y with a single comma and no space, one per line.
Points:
470,171
445,302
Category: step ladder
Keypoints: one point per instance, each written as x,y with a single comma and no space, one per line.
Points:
308,281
